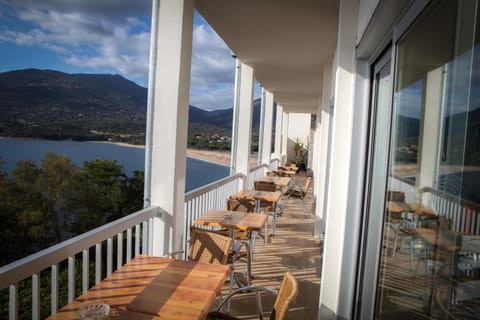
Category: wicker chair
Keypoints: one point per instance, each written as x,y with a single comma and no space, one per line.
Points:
208,247
271,174
267,206
286,296
300,191
243,239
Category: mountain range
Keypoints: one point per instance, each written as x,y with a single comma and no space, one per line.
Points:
49,104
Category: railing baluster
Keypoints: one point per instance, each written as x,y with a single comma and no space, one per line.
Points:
54,288
145,237
13,302
98,262
119,250
150,236
35,296
137,239
71,279
109,256
85,270
129,244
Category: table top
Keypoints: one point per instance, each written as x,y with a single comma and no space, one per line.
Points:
235,220
287,172
151,287
445,239
399,207
279,181
270,196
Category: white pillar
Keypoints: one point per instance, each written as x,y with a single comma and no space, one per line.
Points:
430,130
340,231
244,121
168,118
233,149
278,132
283,157
322,150
267,129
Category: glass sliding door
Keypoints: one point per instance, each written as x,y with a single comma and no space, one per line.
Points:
428,248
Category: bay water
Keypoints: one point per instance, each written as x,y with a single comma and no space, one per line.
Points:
199,173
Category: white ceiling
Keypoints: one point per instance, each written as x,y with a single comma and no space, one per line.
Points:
286,42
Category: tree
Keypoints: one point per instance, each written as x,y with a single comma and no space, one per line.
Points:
58,184
102,194
134,192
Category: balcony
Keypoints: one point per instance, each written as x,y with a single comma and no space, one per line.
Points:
73,266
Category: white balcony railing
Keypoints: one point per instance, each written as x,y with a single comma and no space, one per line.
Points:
256,173
132,235
211,196
111,246
465,215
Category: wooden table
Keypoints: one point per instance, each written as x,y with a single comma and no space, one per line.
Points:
288,173
155,288
236,220
400,207
438,239
278,181
270,196
403,212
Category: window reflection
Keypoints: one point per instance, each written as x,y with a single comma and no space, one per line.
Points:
430,264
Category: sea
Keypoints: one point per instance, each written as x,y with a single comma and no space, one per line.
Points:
12,150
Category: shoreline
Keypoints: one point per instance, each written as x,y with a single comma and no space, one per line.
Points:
212,156
216,157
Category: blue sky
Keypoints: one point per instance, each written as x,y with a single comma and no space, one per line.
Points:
107,36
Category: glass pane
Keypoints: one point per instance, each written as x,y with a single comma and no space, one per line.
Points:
430,260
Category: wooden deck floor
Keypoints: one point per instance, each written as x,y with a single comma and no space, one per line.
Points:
293,248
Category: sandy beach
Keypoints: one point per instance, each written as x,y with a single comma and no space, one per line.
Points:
220,157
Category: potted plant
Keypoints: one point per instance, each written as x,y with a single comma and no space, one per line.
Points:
299,154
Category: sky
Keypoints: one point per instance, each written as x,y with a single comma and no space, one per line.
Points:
108,37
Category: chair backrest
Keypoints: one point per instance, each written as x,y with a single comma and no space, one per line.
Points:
208,247
286,296
308,182
264,186
397,196
390,238
244,205
280,173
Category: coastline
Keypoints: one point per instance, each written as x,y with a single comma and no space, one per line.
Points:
217,157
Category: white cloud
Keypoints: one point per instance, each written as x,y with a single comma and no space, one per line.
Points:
210,99
87,35
112,36
211,60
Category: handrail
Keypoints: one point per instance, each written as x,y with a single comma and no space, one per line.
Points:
448,196
404,180
259,167
25,267
211,186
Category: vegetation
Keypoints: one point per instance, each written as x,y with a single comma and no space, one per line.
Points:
41,206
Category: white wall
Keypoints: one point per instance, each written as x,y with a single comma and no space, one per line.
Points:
338,234
298,127
365,13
